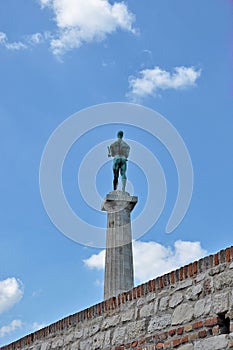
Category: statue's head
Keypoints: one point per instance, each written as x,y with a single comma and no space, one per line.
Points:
120,134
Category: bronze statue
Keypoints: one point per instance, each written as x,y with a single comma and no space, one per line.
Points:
120,151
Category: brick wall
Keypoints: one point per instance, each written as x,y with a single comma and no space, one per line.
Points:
187,309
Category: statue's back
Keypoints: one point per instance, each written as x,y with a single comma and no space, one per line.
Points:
120,148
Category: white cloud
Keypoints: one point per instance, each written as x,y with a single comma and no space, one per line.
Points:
82,22
11,291
10,328
14,46
78,22
35,39
44,3
149,81
152,259
96,261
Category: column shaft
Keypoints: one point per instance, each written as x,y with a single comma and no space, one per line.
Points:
119,276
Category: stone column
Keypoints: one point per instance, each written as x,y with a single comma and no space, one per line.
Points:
119,276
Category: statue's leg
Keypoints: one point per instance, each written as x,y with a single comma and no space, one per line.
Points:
116,174
123,175
115,180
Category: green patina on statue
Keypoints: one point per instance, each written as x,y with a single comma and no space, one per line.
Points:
120,151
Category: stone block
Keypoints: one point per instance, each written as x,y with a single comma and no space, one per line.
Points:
93,329
186,347
45,346
74,346
68,338
111,321
159,322
200,277
147,310
150,296
221,302
218,342
208,286
224,280
78,333
119,335
176,299
184,284
216,270
107,338
98,341
199,308
183,313
136,329
57,343
128,315
193,292
163,303
85,344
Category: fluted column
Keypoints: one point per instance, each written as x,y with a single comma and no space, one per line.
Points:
119,276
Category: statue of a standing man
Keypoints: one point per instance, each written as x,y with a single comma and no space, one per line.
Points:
120,151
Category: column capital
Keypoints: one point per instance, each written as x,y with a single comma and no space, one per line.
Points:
118,200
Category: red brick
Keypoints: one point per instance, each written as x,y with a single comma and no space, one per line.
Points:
176,342
216,260
231,252
211,322
185,272
195,267
142,341
172,277
149,287
153,285
180,330
228,255
123,298
184,339
138,291
134,344
142,289
202,334
113,303
197,325
161,282
172,332
181,274
190,269
159,346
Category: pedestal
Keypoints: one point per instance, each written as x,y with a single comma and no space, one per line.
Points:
119,276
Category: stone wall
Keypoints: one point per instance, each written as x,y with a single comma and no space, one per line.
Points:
187,309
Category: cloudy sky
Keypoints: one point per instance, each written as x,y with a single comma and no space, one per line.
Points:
58,57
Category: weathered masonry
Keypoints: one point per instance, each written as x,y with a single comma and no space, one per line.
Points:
187,309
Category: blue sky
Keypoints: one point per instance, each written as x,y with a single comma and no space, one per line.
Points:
58,57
